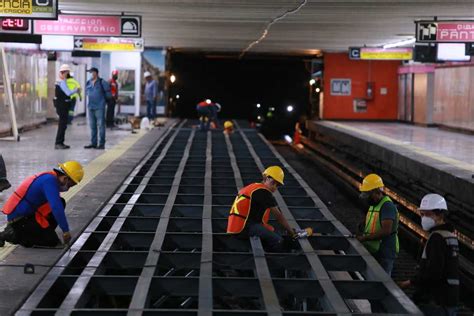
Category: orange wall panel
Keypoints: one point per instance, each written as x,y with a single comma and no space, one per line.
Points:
382,73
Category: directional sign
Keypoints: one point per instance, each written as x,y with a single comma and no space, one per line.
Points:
399,53
32,9
445,31
108,44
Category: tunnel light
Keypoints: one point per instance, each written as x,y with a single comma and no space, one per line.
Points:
271,109
259,117
258,105
318,90
290,108
288,139
173,78
177,96
400,43
208,101
312,81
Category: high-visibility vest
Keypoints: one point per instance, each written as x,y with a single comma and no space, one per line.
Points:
240,210
73,84
41,213
373,225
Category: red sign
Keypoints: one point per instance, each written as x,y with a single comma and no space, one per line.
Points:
80,25
445,31
15,25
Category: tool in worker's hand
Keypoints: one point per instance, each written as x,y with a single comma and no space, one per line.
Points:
303,233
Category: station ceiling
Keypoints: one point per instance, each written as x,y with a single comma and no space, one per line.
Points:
231,25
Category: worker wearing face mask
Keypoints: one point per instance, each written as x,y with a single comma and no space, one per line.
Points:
35,208
380,234
437,279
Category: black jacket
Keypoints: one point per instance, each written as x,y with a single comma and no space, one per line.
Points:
60,98
437,278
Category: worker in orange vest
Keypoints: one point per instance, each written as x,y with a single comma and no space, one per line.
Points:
252,207
35,208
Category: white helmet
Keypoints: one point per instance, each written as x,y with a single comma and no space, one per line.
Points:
433,201
147,74
64,67
219,107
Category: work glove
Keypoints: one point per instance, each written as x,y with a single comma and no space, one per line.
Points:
67,238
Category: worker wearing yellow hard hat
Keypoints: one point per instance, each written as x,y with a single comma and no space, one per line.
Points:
36,208
380,231
228,127
252,207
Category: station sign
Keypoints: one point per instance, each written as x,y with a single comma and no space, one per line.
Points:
106,44
15,25
30,9
399,53
445,31
91,25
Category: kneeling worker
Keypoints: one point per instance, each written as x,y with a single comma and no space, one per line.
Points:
228,127
35,208
436,282
252,207
381,223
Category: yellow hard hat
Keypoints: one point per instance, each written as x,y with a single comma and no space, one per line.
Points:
73,170
228,124
276,173
370,182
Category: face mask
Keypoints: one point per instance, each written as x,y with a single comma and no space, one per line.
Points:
427,223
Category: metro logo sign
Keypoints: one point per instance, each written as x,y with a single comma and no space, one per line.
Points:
445,31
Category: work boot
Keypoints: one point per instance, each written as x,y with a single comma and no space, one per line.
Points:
61,146
7,235
4,184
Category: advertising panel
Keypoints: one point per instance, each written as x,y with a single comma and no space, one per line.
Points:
445,31
31,9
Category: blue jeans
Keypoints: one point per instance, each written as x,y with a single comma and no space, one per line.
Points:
433,310
386,263
97,119
150,109
270,239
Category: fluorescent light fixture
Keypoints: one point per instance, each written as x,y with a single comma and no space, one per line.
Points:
400,43
57,42
452,52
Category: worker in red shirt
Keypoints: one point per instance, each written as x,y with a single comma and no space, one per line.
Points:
204,110
114,89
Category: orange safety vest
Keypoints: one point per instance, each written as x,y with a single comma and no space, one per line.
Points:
43,211
240,210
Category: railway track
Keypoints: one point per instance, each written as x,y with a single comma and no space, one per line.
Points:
349,171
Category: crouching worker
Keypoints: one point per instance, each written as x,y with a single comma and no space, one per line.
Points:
251,211
228,127
35,208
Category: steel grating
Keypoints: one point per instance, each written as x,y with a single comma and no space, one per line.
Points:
159,245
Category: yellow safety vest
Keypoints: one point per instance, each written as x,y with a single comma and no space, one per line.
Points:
73,84
372,225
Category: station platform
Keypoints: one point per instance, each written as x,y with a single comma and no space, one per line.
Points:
440,158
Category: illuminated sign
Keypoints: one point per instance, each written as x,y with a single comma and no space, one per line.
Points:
399,53
32,9
445,31
21,26
108,44
91,25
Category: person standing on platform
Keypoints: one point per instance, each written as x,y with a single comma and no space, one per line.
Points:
251,210
4,184
36,208
62,103
380,235
113,100
73,84
436,282
98,91
151,95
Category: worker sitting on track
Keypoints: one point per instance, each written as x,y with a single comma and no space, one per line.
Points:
381,223
252,207
35,208
437,279
228,127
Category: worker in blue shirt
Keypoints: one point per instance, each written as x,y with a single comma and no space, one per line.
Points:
36,207
98,92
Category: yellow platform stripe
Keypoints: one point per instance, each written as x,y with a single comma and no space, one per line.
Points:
91,170
450,161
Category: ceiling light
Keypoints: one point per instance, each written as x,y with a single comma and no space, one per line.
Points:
400,43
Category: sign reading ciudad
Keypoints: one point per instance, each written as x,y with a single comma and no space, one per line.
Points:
445,31
90,25
31,9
